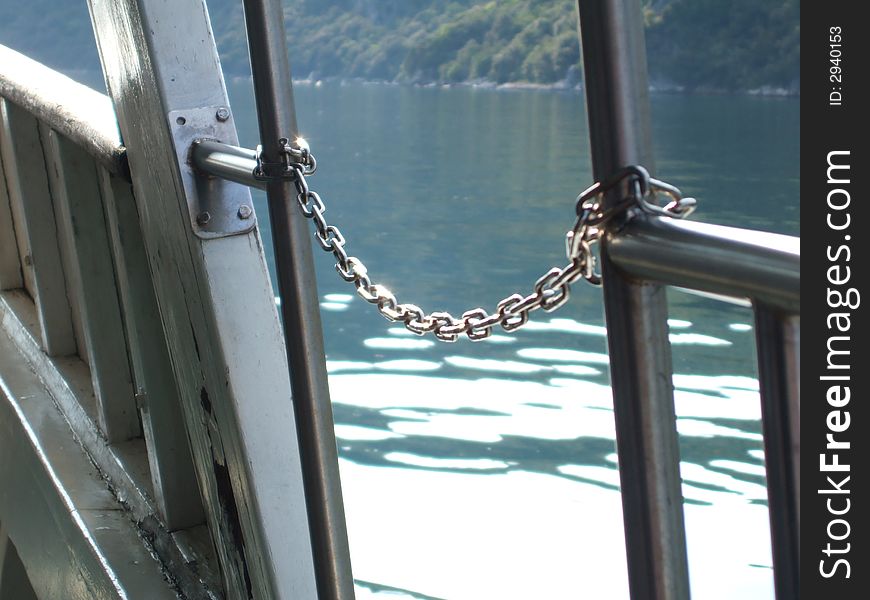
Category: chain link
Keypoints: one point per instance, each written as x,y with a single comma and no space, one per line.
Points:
550,291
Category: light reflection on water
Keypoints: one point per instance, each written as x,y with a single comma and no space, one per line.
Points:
487,471
504,461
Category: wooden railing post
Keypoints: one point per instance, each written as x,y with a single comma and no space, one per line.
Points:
213,291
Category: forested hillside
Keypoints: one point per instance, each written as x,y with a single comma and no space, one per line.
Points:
693,44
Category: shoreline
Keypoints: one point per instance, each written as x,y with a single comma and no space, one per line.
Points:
559,86
94,79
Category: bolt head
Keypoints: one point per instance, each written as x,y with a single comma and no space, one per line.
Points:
203,218
222,114
245,211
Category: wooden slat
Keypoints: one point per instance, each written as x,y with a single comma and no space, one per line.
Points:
32,210
169,455
66,244
16,218
10,261
79,211
75,110
216,304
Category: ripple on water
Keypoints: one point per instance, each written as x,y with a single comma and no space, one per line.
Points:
729,488
492,339
732,404
576,370
697,339
337,366
485,410
402,364
490,364
334,306
565,326
408,364
343,298
561,355
400,331
603,475
679,324
357,433
715,383
739,467
705,429
385,343
446,463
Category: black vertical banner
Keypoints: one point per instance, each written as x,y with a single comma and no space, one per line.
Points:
835,422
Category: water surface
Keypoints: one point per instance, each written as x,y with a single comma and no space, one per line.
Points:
488,470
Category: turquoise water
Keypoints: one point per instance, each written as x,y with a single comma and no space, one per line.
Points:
488,471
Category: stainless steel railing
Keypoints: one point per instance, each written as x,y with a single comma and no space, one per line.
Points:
639,257
651,252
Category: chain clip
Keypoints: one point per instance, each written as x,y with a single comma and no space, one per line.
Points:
297,153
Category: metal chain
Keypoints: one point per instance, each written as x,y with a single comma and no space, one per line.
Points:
550,291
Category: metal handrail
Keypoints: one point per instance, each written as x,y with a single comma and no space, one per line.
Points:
729,261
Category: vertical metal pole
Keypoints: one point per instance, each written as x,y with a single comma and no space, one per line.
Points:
777,339
617,102
297,286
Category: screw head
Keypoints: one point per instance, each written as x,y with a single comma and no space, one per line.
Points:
203,218
245,211
222,114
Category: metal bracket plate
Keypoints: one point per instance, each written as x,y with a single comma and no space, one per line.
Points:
217,208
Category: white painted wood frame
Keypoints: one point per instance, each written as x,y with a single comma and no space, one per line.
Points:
216,303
